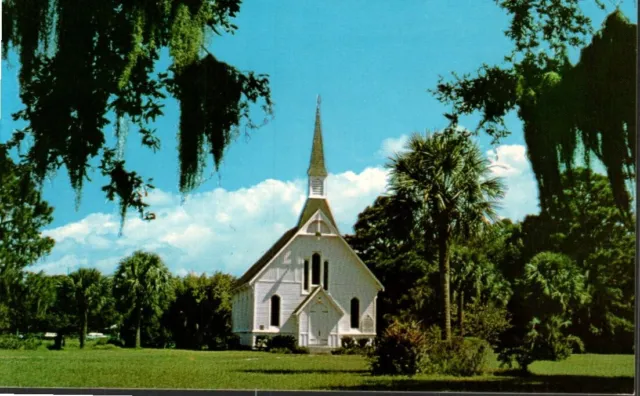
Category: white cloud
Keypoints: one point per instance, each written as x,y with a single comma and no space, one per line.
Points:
393,146
229,230
510,162
215,230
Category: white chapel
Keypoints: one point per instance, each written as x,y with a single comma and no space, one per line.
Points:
310,284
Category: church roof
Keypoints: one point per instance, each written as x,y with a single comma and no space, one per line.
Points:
311,207
266,257
316,165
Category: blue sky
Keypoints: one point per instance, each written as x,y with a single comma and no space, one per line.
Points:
371,62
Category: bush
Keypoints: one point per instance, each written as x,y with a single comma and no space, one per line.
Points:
348,342
285,351
263,342
486,321
105,347
283,342
363,343
346,351
102,341
13,342
400,350
467,357
31,343
301,351
115,342
233,342
9,342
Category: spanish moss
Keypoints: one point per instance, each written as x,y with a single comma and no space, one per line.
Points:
91,65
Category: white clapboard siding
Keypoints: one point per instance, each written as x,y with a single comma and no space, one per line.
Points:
347,279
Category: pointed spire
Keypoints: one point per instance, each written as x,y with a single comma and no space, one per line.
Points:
316,166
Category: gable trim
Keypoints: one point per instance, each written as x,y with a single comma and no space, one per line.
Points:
324,218
312,295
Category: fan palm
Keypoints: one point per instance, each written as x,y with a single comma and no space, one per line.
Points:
87,291
141,282
447,175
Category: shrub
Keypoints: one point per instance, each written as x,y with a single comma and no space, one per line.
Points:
301,351
348,342
460,356
467,357
400,350
105,347
363,343
346,351
9,342
285,351
283,342
13,342
263,342
486,321
31,343
233,342
102,341
115,342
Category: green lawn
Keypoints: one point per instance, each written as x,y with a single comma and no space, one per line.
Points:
147,368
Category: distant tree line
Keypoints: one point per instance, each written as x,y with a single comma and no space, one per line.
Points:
141,305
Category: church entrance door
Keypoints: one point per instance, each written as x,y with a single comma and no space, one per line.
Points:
319,324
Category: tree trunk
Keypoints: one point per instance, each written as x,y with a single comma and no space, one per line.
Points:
83,328
138,326
445,270
461,312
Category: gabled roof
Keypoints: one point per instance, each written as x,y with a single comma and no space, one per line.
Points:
317,290
311,207
266,257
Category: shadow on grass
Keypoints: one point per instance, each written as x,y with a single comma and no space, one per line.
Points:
503,383
314,371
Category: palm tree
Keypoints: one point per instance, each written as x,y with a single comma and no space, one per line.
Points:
142,281
446,174
87,289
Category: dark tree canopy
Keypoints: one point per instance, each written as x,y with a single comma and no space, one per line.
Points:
89,64
23,214
571,112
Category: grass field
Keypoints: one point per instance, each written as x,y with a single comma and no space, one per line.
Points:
147,368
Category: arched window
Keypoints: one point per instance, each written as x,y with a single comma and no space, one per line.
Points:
355,313
326,276
275,311
306,275
315,269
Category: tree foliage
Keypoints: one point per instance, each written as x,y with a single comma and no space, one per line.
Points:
200,316
85,65
547,296
571,112
86,291
23,214
447,178
142,289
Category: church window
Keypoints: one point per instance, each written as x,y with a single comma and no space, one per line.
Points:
355,313
315,269
275,311
326,275
306,275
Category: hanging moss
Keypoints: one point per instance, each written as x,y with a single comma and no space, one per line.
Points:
570,112
104,60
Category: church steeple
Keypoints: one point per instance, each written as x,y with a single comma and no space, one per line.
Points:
317,171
